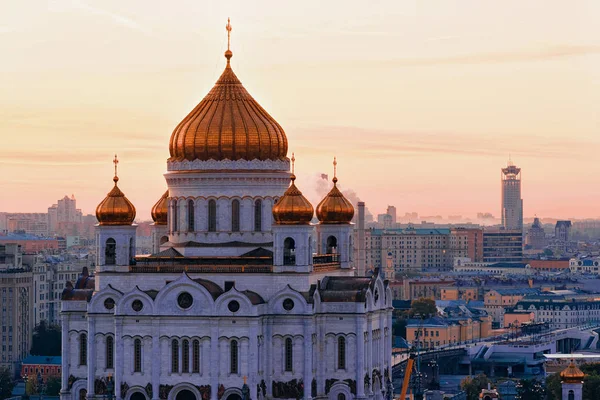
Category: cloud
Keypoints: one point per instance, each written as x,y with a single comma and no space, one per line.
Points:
541,54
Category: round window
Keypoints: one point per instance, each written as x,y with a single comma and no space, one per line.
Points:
288,304
185,300
109,303
137,305
233,306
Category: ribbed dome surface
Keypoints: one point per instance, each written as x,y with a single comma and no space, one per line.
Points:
160,209
293,208
228,124
572,374
115,209
335,208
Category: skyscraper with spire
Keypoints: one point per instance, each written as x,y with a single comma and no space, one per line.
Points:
512,203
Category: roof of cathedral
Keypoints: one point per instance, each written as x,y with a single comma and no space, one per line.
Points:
343,289
160,209
293,208
335,208
228,124
115,209
572,374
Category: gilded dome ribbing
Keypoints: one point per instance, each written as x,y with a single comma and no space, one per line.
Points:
160,209
335,208
228,124
115,209
572,374
293,208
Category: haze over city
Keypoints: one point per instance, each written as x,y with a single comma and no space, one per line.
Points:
422,102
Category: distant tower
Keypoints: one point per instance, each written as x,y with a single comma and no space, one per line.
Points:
572,382
512,203
390,272
391,210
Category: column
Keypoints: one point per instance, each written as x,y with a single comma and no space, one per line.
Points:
322,356
360,357
244,355
156,358
382,346
91,356
253,360
66,356
214,361
118,357
370,349
190,355
308,356
269,357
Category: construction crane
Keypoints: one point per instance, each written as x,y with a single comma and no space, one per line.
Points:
409,368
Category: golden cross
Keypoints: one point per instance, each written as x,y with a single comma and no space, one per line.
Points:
334,167
228,27
116,161
293,162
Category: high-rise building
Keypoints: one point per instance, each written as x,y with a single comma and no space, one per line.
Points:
502,245
467,242
16,300
536,237
512,203
562,231
391,210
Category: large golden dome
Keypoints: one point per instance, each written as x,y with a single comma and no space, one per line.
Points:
160,209
335,208
228,124
572,374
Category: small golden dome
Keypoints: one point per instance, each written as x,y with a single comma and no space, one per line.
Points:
228,124
159,211
293,208
572,374
115,209
335,208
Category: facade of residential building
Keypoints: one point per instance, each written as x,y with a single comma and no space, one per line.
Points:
502,245
30,243
560,311
46,367
437,331
467,242
413,289
497,300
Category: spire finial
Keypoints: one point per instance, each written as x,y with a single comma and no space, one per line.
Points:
228,53
116,162
334,171
293,159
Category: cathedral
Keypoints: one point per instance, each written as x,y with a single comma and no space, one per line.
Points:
245,294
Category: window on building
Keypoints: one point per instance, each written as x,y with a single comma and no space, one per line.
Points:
110,252
191,226
233,359
341,396
258,215
332,245
212,216
174,356
341,353
174,219
185,356
83,349
110,352
289,354
137,355
235,216
289,251
196,356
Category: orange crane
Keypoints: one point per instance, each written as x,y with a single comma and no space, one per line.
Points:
407,374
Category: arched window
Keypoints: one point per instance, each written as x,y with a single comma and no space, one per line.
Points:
174,216
110,252
82,394
331,245
233,359
289,354
131,252
174,356
235,216
83,349
258,215
110,352
191,225
196,356
289,251
185,356
341,396
212,216
163,240
137,355
571,395
341,353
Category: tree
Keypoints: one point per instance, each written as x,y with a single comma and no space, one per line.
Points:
553,387
529,389
53,386
7,383
472,386
423,307
46,340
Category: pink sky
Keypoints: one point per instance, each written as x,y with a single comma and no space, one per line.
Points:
421,101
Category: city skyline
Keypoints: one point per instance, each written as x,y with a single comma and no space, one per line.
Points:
450,117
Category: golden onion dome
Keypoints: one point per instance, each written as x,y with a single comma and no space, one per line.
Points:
228,124
572,374
159,210
293,208
335,208
115,209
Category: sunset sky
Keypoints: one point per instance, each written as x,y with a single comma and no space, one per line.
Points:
421,101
